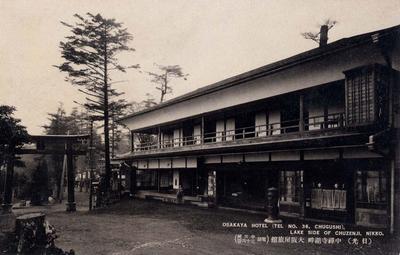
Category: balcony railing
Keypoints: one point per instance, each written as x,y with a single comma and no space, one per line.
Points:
331,121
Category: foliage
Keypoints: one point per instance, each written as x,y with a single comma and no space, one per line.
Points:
123,143
90,55
163,78
12,133
60,123
316,36
141,137
142,105
39,187
22,184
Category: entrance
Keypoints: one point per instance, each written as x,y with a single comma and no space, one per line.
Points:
329,193
245,188
187,179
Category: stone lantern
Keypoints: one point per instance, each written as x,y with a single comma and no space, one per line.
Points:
272,206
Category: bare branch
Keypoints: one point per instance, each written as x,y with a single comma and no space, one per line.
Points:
315,36
163,78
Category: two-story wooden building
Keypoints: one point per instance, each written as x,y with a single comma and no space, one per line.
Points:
321,126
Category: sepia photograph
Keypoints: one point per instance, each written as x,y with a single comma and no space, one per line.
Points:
249,127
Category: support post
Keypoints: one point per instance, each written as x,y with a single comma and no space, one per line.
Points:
120,182
326,118
64,167
159,138
158,180
91,165
133,180
301,113
71,206
7,196
202,130
197,181
302,194
132,141
395,188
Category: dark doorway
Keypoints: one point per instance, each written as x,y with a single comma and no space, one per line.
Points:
329,193
210,129
187,133
202,177
187,178
290,114
245,187
245,125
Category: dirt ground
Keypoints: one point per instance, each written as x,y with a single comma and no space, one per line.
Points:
150,227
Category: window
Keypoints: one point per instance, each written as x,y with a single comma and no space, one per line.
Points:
165,179
167,139
290,185
371,187
329,199
209,131
245,125
365,94
146,178
360,97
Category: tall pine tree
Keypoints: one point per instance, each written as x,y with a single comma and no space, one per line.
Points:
90,55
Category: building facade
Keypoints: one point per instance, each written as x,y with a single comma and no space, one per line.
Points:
321,126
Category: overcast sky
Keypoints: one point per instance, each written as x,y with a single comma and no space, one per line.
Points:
211,40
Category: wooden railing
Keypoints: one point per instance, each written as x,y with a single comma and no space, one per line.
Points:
331,121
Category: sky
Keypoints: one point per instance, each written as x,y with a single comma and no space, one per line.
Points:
210,39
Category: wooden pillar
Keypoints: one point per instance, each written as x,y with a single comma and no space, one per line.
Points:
302,198
7,196
133,180
159,138
302,194
395,188
215,187
301,113
197,176
224,183
158,180
326,120
120,182
132,141
91,166
202,130
71,206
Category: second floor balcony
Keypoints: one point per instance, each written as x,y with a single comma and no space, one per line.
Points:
311,126
345,107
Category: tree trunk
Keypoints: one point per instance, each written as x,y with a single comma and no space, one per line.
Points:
30,231
113,137
106,120
162,96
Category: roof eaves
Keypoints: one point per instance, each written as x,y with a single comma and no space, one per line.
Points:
331,48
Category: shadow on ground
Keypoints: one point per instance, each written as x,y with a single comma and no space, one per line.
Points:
151,227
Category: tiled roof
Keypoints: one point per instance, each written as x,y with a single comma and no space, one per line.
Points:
328,49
